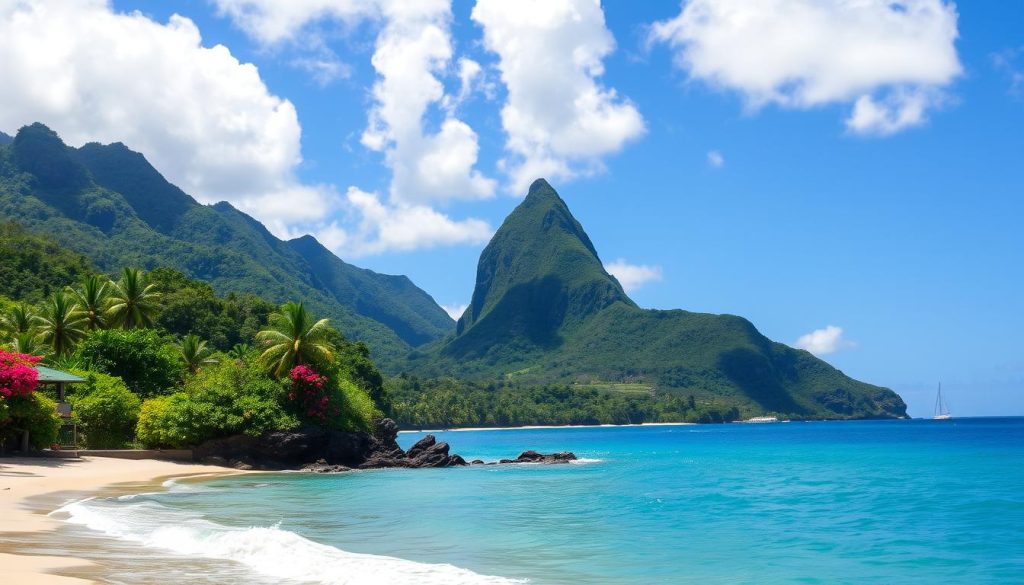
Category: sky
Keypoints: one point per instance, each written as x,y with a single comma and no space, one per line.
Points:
847,174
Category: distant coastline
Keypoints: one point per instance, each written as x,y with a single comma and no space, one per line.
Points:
540,427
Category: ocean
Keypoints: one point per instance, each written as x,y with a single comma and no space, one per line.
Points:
818,502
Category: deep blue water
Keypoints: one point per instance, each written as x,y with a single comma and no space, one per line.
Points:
880,502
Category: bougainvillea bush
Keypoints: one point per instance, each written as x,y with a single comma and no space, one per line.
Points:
330,400
21,408
18,377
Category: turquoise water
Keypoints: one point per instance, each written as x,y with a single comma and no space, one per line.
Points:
880,502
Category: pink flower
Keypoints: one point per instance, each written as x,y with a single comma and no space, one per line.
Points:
17,376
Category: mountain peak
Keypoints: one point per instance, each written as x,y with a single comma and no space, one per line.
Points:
38,150
539,275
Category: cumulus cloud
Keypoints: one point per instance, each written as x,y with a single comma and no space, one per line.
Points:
412,55
276,21
715,159
891,59
204,119
413,49
455,311
633,276
559,120
824,341
401,227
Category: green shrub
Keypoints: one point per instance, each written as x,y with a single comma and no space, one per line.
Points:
229,398
358,411
106,410
146,362
173,421
35,413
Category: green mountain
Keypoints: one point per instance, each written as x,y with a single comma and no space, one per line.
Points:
545,310
108,203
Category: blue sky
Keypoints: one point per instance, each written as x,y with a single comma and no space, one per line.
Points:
853,165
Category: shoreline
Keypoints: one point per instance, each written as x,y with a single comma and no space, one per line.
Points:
32,487
542,427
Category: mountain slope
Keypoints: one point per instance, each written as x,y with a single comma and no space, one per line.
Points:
545,310
109,203
538,278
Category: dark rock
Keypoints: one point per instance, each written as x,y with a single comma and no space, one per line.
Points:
422,445
292,447
243,463
325,451
349,449
535,457
321,466
429,453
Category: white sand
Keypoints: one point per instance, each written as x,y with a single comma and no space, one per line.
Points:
24,478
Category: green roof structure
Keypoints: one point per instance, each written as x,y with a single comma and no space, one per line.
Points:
52,376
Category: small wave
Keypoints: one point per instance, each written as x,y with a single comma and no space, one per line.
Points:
270,551
586,461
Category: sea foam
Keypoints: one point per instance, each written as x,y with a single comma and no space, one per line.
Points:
269,551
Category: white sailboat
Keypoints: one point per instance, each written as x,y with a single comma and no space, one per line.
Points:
941,408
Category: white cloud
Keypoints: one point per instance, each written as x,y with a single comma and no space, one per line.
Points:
204,119
890,58
412,54
715,159
413,49
325,69
824,341
276,21
558,119
633,276
401,227
455,311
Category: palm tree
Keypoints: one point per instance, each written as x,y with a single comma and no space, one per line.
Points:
194,353
26,343
293,338
239,351
18,319
62,324
133,300
92,297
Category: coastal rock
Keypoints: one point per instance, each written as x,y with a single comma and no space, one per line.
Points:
324,451
321,466
421,446
535,457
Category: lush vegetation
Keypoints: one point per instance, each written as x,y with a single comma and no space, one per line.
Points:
22,408
443,403
167,386
110,204
106,410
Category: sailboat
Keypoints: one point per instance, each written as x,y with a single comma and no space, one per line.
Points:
941,408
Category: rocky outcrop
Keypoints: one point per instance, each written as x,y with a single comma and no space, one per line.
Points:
535,457
325,451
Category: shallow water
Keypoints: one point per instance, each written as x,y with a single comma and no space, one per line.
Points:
887,501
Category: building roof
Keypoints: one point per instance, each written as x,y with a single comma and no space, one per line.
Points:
51,376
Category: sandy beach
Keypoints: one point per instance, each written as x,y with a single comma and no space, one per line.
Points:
32,487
